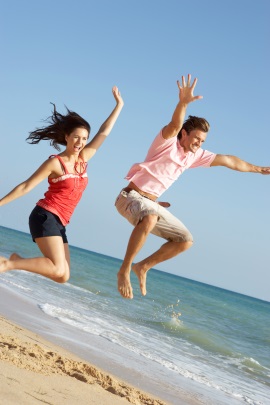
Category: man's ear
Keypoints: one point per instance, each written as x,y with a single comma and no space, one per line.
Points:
184,133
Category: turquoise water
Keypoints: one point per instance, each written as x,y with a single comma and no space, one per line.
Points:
185,333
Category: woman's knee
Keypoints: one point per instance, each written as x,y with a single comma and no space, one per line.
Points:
61,279
61,275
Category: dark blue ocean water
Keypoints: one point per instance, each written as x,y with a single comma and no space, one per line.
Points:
184,332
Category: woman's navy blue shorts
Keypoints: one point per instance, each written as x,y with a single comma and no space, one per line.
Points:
44,223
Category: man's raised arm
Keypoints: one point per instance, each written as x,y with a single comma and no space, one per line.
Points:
185,97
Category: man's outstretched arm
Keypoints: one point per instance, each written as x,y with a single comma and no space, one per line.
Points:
185,97
235,163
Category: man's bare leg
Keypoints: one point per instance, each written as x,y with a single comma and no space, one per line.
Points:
166,252
136,242
54,264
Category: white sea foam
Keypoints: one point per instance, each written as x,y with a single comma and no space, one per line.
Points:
133,341
228,358
15,284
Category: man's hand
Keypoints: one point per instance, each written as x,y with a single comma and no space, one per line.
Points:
265,170
185,97
164,204
186,90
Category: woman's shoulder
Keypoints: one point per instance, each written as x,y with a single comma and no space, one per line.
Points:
54,165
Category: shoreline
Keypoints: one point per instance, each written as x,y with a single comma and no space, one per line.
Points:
23,326
34,370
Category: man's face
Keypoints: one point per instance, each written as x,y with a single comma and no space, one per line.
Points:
193,141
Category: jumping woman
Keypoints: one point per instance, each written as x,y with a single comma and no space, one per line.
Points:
67,177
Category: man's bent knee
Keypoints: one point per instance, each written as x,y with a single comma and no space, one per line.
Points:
182,246
148,221
188,244
185,238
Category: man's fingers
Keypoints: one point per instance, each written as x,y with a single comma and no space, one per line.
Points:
194,83
197,97
183,81
184,84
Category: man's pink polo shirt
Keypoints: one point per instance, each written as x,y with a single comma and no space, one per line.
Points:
164,163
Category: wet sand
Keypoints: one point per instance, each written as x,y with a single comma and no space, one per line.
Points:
33,370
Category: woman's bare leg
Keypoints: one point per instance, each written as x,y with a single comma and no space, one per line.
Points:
54,265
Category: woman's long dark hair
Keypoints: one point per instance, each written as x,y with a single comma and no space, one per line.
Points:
59,126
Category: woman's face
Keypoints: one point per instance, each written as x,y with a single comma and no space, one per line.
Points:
77,140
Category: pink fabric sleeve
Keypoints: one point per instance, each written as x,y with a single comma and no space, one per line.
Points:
204,159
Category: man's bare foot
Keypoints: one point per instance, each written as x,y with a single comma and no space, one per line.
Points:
3,264
124,285
141,274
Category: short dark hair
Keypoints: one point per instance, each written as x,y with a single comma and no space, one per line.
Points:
193,122
59,126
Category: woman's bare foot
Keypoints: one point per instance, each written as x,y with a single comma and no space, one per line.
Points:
141,274
15,256
3,264
124,285
6,264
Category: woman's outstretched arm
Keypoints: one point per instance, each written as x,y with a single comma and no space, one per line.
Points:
105,129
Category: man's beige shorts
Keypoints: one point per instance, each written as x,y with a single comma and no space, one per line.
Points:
133,206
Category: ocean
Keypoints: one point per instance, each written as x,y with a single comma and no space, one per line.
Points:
184,337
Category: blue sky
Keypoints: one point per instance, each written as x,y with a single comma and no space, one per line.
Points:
72,53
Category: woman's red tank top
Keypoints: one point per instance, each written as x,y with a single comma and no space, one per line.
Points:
64,192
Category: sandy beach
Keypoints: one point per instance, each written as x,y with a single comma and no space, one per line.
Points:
67,344
33,370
